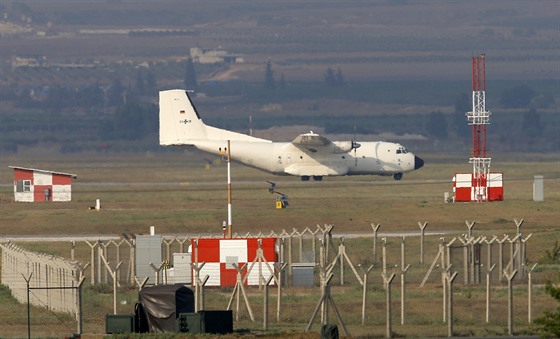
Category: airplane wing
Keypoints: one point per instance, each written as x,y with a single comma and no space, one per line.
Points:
315,143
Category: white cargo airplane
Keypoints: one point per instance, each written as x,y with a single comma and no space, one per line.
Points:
307,156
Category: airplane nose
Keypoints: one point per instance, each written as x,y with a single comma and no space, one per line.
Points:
418,162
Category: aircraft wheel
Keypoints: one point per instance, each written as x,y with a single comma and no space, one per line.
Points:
397,176
305,178
317,177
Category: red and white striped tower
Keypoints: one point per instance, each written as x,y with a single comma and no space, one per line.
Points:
479,118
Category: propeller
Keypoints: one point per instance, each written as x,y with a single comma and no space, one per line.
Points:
355,145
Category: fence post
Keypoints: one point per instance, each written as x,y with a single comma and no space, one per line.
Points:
388,281
114,276
509,278
501,255
422,229
530,294
280,268
72,249
523,250
488,281
265,306
450,277
28,305
157,270
384,240
375,228
489,250
341,252
79,316
364,292
403,272
92,246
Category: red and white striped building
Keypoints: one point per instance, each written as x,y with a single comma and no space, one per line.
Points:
36,185
465,187
220,254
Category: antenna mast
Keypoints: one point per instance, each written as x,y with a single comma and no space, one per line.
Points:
479,118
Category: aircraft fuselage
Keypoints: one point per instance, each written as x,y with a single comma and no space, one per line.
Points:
283,158
308,155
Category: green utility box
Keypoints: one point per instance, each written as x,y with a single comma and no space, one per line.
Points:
218,321
119,323
189,323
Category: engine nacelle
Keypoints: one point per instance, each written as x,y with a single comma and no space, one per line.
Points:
344,146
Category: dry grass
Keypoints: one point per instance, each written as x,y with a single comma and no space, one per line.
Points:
177,195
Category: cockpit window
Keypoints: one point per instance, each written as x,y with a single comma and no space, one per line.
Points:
401,150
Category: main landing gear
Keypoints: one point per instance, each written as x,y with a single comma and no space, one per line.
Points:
315,177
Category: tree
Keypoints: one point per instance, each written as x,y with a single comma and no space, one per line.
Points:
140,83
131,122
532,123
115,93
548,326
269,76
436,125
339,78
190,75
330,78
333,79
151,82
282,82
462,106
517,97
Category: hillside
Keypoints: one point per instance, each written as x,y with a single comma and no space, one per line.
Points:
75,75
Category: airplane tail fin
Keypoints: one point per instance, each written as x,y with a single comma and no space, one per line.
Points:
179,122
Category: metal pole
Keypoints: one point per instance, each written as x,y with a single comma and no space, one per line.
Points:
450,277
80,315
28,306
230,230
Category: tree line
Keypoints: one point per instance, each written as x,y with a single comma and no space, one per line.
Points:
126,111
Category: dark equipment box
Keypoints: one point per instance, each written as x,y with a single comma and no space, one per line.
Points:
119,323
159,306
215,321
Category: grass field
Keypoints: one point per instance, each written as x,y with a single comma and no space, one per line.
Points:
176,193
